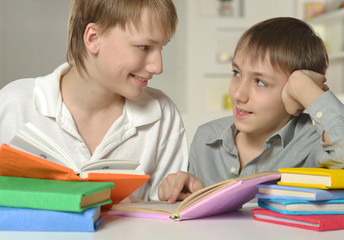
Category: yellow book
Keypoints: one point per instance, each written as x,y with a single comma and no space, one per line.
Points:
322,178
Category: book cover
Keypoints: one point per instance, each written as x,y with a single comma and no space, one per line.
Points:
266,191
25,219
311,222
219,198
52,194
322,178
32,166
303,207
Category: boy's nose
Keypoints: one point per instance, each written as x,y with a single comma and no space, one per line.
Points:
241,92
155,65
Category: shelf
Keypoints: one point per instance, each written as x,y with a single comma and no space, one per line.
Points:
328,17
337,56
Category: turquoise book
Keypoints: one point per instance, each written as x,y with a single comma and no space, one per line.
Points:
303,207
25,219
71,196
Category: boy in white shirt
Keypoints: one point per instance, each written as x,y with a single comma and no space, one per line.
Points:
98,104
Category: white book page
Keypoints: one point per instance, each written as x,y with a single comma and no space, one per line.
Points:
158,206
111,164
84,174
285,220
32,140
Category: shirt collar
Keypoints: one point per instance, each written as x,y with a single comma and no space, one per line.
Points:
143,111
286,134
47,95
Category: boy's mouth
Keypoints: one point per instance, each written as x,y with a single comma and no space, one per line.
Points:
140,78
242,113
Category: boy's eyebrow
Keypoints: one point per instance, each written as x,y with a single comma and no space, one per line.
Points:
259,74
153,41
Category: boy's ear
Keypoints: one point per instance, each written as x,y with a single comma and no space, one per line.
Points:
92,38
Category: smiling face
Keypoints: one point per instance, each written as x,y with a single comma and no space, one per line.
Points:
126,59
256,95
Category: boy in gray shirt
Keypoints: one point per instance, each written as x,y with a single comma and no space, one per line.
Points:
279,71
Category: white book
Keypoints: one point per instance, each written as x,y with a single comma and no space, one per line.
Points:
31,140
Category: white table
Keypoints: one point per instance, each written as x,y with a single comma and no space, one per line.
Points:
236,225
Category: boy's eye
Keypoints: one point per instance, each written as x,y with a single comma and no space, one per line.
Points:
236,73
260,83
144,47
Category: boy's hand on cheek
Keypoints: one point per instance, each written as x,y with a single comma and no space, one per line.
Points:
301,89
178,186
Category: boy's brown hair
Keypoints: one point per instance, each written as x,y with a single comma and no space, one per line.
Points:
110,13
290,44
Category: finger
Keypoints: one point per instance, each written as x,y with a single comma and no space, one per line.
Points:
164,189
176,193
161,192
196,185
325,87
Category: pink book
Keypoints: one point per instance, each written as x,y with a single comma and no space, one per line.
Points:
219,198
312,222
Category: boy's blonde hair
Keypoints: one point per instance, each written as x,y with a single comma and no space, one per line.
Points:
290,44
110,13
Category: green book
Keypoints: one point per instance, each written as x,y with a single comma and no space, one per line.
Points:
56,195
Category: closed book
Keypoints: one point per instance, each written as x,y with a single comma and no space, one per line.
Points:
322,178
32,166
53,195
266,191
311,222
26,219
303,207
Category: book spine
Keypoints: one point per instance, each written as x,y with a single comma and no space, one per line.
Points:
37,200
22,219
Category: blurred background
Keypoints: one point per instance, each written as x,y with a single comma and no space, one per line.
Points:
197,62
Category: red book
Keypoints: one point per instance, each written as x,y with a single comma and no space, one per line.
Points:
17,163
312,222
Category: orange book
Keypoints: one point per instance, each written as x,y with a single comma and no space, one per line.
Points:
18,163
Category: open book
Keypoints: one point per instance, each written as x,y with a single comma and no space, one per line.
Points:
31,140
219,198
33,155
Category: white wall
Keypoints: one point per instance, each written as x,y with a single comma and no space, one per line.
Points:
33,37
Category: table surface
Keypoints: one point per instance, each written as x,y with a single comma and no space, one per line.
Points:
235,225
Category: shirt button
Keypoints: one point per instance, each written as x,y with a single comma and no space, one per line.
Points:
232,169
313,122
319,114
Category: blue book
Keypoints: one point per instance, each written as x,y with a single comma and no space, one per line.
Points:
275,191
26,219
303,207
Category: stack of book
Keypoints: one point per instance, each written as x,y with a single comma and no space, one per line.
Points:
30,204
41,157
310,198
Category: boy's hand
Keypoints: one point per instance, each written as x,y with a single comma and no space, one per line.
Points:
301,89
178,186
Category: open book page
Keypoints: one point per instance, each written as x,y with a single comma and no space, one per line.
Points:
85,174
31,140
110,164
155,207
207,191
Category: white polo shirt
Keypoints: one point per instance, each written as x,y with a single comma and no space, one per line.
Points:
149,130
